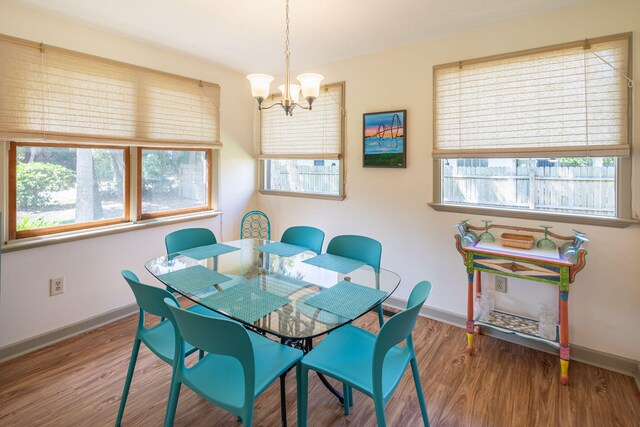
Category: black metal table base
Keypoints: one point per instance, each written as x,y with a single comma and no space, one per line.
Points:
306,346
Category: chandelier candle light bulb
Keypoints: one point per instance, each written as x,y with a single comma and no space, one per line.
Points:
294,92
309,83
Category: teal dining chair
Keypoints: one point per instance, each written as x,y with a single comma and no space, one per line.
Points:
306,237
188,238
160,339
360,248
239,364
255,225
369,363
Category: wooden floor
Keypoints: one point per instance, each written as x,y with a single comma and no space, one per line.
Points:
78,383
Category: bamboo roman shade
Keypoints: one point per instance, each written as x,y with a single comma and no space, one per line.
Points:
569,100
315,134
52,94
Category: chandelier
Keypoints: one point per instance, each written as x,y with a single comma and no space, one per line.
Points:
309,84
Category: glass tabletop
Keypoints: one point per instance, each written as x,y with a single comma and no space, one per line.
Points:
280,289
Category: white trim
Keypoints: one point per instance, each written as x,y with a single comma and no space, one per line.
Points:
28,345
537,215
34,242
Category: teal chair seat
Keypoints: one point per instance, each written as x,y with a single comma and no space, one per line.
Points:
361,248
215,373
239,364
373,364
189,238
355,365
161,338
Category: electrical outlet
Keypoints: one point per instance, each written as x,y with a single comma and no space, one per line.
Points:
56,286
501,284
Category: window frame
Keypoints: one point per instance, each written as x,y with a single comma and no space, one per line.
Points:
262,160
263,190
153,215
624,191
623,203
14,234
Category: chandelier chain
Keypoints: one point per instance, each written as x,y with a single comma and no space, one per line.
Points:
287,81
286,49
309,82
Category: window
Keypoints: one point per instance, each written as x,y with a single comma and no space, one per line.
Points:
75,123
544,130
583,186
303,176
66,188
173,181
301,154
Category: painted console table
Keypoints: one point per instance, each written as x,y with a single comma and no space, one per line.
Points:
556,266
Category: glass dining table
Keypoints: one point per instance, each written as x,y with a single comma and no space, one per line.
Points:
275,288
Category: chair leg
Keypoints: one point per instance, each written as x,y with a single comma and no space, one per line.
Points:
127,381
302,375
200,354
379,403
283,399
380,315
345,393
172,404
247,418
416,380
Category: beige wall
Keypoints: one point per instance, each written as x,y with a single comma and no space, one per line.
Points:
391,205
92,267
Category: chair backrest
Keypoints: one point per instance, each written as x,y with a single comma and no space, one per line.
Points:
360,248
255,225
188,238
307,237
399,326
149,298
217,336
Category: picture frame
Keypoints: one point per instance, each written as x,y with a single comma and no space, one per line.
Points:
384,139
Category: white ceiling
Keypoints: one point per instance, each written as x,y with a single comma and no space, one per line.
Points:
248,35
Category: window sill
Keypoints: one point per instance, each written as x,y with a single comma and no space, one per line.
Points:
35,242
304,195
542,216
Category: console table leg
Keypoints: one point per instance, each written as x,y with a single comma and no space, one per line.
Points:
564,337
470,300
477,329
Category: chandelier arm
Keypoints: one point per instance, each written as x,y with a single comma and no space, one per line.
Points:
271,106
301,106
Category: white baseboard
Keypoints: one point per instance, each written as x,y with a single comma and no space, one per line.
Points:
34,343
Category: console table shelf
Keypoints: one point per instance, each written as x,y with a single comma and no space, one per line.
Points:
519,325
556,261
